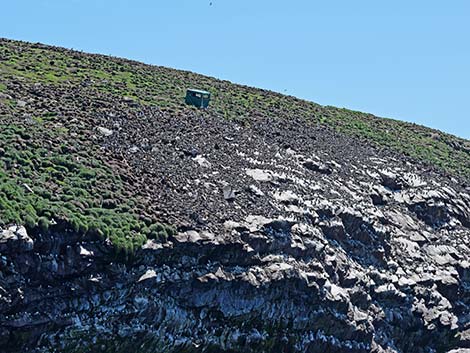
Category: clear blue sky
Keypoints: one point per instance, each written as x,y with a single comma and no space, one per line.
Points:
408,60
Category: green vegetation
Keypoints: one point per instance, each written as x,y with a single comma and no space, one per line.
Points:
61,187
52,173
447,152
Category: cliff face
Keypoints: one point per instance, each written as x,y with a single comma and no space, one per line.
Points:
286,235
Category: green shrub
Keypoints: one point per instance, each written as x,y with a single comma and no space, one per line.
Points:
43,224
29,222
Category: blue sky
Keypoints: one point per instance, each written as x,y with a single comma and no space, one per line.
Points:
408,60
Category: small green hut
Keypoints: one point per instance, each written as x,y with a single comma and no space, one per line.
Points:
198,98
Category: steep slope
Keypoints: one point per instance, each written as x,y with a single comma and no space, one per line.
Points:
262,224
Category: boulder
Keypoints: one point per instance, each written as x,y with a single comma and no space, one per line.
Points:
104,131
15,239
317,166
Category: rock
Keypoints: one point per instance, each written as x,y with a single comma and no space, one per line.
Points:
380,195
229,193
359,316
190,236
287,197
378,199
403,221
406,282
191,152
464,338
255,223
317,166
130,101
389,291
435,214
391,180
441,254
259,174
447,284
104,131
86,253
334,229
15,239
208,278
238,226
256,191
280,225
149,274
448,319
336,293
203,162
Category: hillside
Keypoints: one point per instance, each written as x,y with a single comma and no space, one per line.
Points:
265,223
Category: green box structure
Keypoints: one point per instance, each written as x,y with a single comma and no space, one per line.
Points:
198,98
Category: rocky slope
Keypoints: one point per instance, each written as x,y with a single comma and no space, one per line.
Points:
130,222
